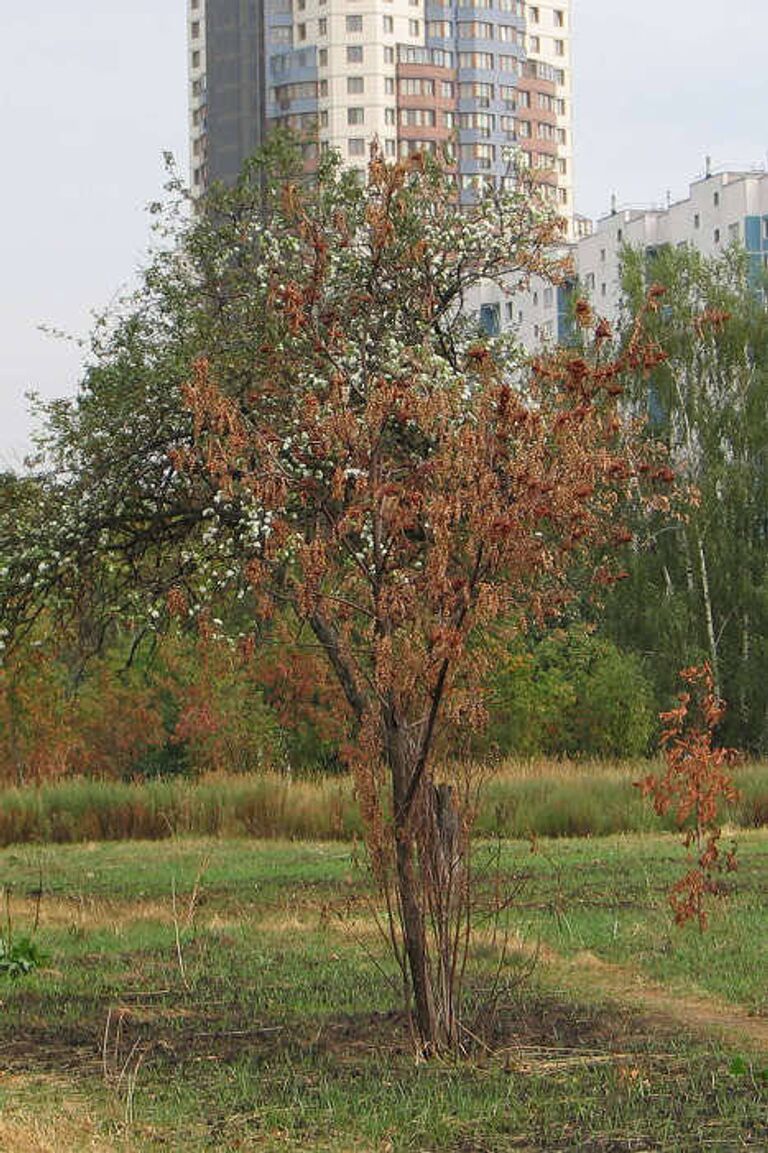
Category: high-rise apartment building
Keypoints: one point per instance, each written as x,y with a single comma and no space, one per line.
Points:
488,83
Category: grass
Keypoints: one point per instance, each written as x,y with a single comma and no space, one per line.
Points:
278,1031
548,799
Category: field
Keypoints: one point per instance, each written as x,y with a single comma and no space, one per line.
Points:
232,994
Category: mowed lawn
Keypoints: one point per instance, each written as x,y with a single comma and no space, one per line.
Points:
236,995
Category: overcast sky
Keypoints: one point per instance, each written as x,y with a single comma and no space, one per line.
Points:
93,91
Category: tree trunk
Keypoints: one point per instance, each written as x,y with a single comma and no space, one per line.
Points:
708,616
430,878
446,891
746,653
416,950
410,892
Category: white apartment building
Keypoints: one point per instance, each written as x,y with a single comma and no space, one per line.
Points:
721,208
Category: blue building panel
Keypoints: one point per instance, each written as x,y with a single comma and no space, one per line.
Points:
565,331
752,233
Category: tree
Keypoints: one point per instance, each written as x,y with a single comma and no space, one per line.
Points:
359,459
696,784
698,586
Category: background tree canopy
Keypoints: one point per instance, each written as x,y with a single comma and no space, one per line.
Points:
698,586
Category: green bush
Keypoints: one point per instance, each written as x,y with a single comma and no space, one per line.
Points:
19,957
573,694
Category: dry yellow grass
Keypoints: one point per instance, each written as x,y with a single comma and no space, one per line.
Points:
69,1129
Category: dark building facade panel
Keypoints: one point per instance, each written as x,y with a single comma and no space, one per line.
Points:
235,84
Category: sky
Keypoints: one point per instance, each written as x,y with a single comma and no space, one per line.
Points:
92,93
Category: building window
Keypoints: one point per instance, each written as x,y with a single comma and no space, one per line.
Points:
356,146
389,54
324,118
354,54
490,319
417,117
559,48
534,44
322,58
195,29
534,15
322,26
508,97
416,86
697,221
301,30
389,85
475,30
481,122
355,116
483,60
716,199
323,88
195,59
354,23
479,92
390,147
389,24
717,236
559,18
414,27
482,155
506,33
389,116
446,89
355,85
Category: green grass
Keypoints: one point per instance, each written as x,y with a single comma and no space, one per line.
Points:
546,798
610,896
282,1033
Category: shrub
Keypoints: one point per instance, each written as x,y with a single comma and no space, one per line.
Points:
572,694
19,957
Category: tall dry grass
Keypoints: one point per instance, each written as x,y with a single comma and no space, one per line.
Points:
536,797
